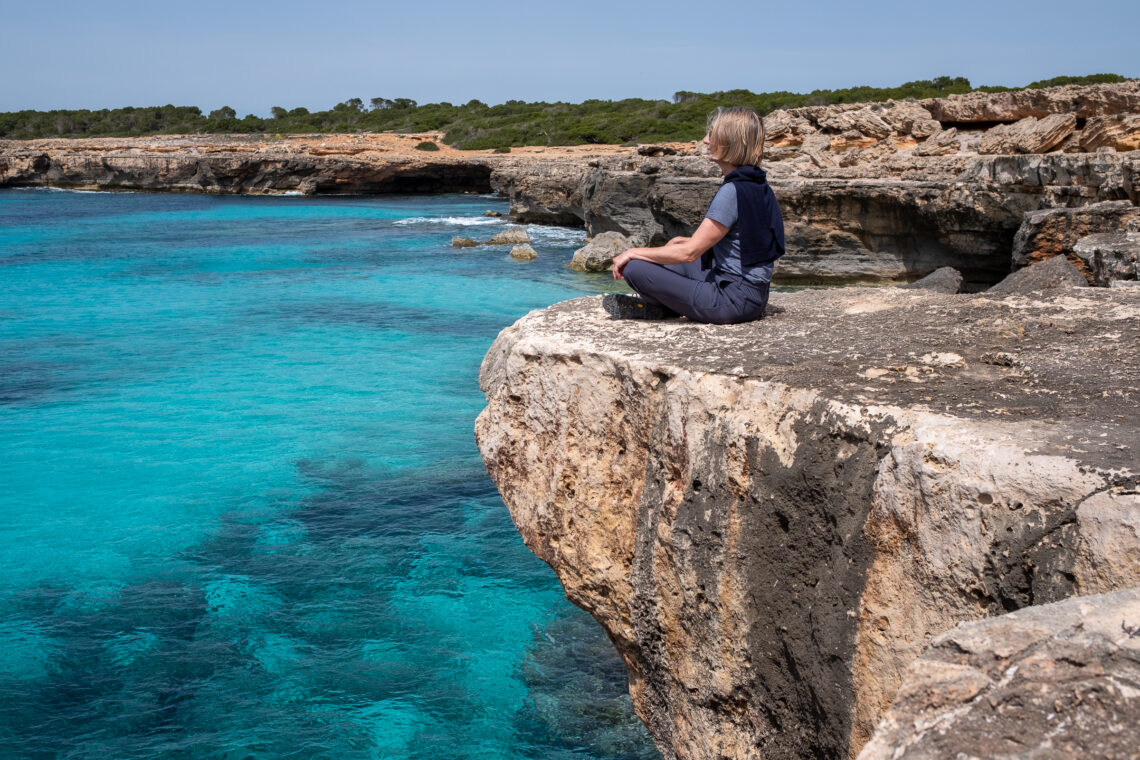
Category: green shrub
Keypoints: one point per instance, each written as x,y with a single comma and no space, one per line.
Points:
427,145
1090,79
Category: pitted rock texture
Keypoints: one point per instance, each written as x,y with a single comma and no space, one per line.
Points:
1056,681
772,520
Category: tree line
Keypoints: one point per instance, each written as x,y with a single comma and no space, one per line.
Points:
476,125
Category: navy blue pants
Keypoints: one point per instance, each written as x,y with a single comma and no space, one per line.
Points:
695,293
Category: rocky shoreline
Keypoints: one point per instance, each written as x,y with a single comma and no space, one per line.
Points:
902,522
871,192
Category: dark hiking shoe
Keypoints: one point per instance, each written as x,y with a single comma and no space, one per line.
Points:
621,306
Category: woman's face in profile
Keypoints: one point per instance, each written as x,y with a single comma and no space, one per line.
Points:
712,149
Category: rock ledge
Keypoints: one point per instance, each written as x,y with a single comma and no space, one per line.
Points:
773,520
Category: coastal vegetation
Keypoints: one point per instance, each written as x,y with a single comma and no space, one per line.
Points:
476,125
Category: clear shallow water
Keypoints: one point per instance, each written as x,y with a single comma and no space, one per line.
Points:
241,510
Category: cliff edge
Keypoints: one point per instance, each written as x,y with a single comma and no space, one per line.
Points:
774,520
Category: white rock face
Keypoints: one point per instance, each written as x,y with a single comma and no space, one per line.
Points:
774,520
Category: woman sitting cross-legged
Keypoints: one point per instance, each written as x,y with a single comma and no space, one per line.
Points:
721,274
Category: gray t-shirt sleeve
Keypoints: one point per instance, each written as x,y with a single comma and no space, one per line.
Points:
723,206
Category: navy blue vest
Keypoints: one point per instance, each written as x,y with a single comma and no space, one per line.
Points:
761,225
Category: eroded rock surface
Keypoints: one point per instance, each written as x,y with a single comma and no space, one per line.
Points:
1030,135
1056,681
773,520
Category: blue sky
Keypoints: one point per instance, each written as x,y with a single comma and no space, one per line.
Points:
254,55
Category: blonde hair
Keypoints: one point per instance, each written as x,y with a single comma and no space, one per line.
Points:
736,136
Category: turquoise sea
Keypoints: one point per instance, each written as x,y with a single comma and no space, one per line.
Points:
242,514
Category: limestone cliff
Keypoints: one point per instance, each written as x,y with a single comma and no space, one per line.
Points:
897,218
773,520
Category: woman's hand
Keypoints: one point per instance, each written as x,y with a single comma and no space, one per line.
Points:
619,264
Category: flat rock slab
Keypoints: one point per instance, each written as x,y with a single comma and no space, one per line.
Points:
1057,681
1067,359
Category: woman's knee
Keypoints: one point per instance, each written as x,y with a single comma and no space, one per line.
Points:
639,274
636,268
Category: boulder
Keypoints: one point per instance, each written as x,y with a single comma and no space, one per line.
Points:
1120,132
462,242
784,129
509,236
864,120
941,143
1050,274
656,150
1030,135
909,118
1083,101
1110,257
942,280
1052,232
495,214
598,253
524,253
1051,681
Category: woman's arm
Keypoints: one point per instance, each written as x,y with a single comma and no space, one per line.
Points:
676,251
